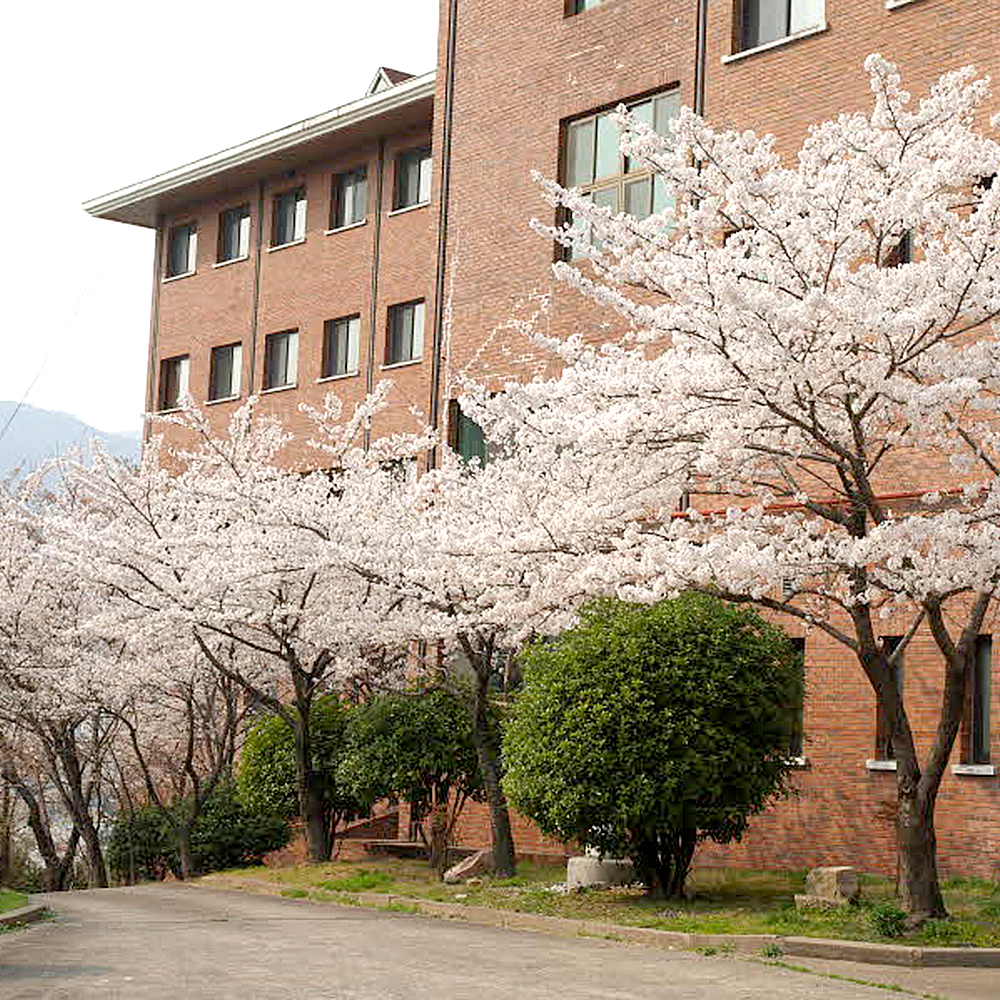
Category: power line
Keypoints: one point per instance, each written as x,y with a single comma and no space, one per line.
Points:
87,289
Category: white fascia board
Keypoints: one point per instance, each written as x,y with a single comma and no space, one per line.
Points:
410,91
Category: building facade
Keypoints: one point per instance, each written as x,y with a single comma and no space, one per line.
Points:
322,256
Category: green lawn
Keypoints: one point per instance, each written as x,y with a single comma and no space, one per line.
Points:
11,900
721,901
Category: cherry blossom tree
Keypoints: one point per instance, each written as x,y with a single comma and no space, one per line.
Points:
203,548
803,415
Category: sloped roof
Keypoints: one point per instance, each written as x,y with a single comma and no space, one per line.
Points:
386,78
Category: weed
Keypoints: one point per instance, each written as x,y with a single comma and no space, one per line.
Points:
887,919
771,951
362,880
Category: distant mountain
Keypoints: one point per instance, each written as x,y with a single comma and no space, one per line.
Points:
36,435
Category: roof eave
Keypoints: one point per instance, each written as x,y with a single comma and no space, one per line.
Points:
138,203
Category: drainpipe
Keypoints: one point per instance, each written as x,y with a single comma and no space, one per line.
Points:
442,240
255,310
700,58
154,328
376,253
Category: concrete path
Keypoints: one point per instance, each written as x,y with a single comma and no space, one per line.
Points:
175,942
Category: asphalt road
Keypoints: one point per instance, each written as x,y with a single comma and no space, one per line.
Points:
176,942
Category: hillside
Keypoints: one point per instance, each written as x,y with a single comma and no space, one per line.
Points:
36,435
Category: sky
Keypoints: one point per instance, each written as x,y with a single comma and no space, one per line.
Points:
103,94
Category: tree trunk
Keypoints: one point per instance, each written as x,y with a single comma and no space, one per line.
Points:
919,891
184,851
439,837
6,831
310,799
664,860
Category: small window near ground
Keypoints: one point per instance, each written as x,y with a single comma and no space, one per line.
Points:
579,6
406,333
340,346
227,369
766,21
979,702
234,234
173,381
413,178
349,201
182,250
281,359
796,742
884,749
289,223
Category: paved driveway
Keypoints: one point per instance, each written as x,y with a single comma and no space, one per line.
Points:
175,942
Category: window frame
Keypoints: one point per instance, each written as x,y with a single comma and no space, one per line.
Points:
291,360
353,322
574,7
394,311
741,21
191,252
337,198
624,178
242,236
236,372
978,722
181,363
420,155
298,217
884,750
457,420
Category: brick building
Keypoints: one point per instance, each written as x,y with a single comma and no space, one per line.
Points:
320,257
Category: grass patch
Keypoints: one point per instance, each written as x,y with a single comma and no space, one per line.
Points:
363,880
720,901
295,893
12,900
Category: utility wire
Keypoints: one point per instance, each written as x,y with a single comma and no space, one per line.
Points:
81,298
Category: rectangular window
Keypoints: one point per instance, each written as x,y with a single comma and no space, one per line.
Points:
579,6
883,738
413,178
289,223
173,381
227,370
182,250
349,202
979,702
340,346
406,333
234,233
467,439
796,741
768,20
899,253
281,351
593,162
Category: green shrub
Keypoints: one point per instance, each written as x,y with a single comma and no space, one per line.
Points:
887,919
647,728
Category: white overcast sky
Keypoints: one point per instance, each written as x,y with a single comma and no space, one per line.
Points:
102,94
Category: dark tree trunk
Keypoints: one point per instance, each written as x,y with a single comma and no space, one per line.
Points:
438,848
664,860
184,851
918,886
489,764
307,789
77,801
6,831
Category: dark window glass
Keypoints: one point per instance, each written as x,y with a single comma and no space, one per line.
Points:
795,743
227,364
883,737
340,346
181,250
350,198
468,437
406,333
173,381
413,178
900,253
234,233
979,701
280,359
768,20
289,217
579,6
